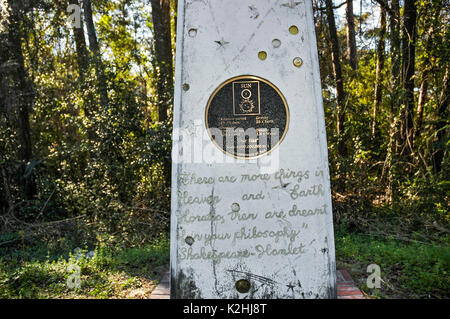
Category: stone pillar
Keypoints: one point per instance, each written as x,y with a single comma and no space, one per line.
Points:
251,202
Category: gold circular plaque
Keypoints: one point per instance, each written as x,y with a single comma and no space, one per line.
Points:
247,117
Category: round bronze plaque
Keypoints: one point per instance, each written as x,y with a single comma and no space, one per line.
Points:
247,117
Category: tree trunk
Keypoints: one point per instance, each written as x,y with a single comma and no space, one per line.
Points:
393,146
427,72
164,59
351,38
175,18
83,63
23,98
421,102
379,71
441,132
95,49
408,68
80,44
337,72
92,35
394,26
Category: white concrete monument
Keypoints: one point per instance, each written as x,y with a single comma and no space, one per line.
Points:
251,202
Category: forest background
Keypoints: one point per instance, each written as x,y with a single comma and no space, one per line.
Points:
86,94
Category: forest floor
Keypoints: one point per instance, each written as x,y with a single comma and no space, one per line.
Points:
45,271
407,269
39,270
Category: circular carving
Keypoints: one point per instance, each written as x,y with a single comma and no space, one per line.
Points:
247,106
276,43
293,29
298,62
247,117
246,94
189,240
243,286
235,207
262,55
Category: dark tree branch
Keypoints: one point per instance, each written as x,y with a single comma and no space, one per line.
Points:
334,7
388,9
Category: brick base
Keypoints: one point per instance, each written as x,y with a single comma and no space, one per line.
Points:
346,287
162,291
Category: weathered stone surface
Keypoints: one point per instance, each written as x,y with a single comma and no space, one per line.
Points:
346,288
252,219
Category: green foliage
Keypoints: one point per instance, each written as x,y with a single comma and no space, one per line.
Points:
42,270
101,162
412,269
375,179
107,163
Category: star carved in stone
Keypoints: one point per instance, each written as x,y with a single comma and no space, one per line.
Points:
291,4
290,287
222,42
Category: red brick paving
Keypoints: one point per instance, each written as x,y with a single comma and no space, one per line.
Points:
346,286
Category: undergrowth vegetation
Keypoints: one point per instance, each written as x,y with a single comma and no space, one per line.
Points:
85,143
409,269
62,270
